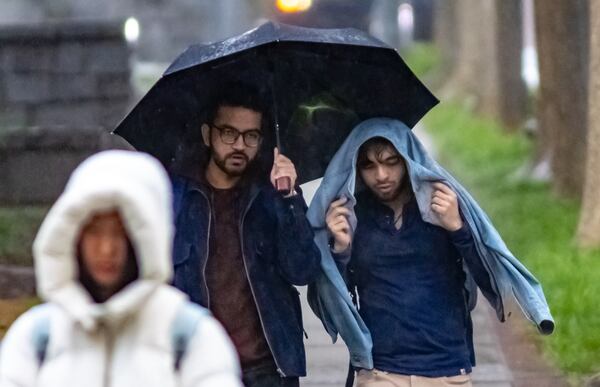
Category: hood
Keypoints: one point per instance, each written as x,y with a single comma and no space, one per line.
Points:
341,173
138,187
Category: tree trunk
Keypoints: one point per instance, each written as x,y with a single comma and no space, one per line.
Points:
588,233
487,69
474,56
562,42
423,20
509,43
446,33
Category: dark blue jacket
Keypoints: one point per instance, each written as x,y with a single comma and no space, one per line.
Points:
277,249
410,285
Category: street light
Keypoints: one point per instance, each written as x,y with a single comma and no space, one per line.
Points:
293,6
131,30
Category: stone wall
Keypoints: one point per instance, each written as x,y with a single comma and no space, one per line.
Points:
167,26
35,162
74,73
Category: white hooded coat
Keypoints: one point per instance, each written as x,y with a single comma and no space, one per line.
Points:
127,340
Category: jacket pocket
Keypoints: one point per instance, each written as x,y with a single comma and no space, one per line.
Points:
181,275
458,380
295,294
181,254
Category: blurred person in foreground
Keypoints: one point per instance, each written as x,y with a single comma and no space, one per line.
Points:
102,260
241,243
414,246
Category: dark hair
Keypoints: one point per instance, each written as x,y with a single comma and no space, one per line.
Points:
377,145
246,95
235,94
193,155
130,274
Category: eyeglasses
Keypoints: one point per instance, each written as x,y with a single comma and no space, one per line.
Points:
230,135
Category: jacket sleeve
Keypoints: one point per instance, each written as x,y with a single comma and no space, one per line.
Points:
298,255
211,360
465,244
18,362
341,259
178,186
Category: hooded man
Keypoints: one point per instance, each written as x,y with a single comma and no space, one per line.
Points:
102,260
414,245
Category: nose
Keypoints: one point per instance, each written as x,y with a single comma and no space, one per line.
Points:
239,144
105,245
381,174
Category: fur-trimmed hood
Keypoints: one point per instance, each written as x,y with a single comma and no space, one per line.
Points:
137,186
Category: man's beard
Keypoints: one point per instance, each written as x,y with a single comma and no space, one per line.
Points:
221,163
402,189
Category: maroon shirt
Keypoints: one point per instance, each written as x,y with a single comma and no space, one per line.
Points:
231,299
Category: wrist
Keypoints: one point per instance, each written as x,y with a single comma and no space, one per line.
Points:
455,226
338,248
292,193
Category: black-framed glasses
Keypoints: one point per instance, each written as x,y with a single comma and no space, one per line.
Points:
229,135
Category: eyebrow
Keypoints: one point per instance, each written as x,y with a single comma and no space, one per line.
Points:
227,126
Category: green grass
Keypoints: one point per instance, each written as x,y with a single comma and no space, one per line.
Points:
18,226
421,58
536,226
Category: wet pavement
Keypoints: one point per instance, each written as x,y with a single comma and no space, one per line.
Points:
328,363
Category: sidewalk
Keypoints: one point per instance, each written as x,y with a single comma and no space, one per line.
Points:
328,364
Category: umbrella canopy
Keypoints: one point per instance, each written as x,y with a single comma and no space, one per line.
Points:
319,83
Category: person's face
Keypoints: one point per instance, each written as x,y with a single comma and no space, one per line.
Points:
232,159
104,249
383,173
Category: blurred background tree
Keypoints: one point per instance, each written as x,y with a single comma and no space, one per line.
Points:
562,41
588,234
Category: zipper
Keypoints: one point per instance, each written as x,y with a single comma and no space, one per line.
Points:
206,256
110,340
241,232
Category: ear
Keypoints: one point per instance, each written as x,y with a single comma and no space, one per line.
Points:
205,134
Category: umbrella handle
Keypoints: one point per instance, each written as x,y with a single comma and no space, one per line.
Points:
284,185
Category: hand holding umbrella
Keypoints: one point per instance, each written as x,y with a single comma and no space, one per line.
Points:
283,173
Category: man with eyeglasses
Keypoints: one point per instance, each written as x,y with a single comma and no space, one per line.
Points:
240,244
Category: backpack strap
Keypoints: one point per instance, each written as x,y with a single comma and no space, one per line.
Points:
41,332
184,327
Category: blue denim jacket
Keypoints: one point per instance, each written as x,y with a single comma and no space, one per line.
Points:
328,295
278,252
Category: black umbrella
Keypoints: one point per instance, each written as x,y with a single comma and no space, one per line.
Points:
320,82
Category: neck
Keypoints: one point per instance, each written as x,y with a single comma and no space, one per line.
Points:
217,178
397,204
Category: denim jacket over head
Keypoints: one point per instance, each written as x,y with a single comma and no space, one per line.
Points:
328,295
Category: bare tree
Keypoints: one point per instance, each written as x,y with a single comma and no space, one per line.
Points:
509,43
562,41
446,33
588,233
487,58
474,58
